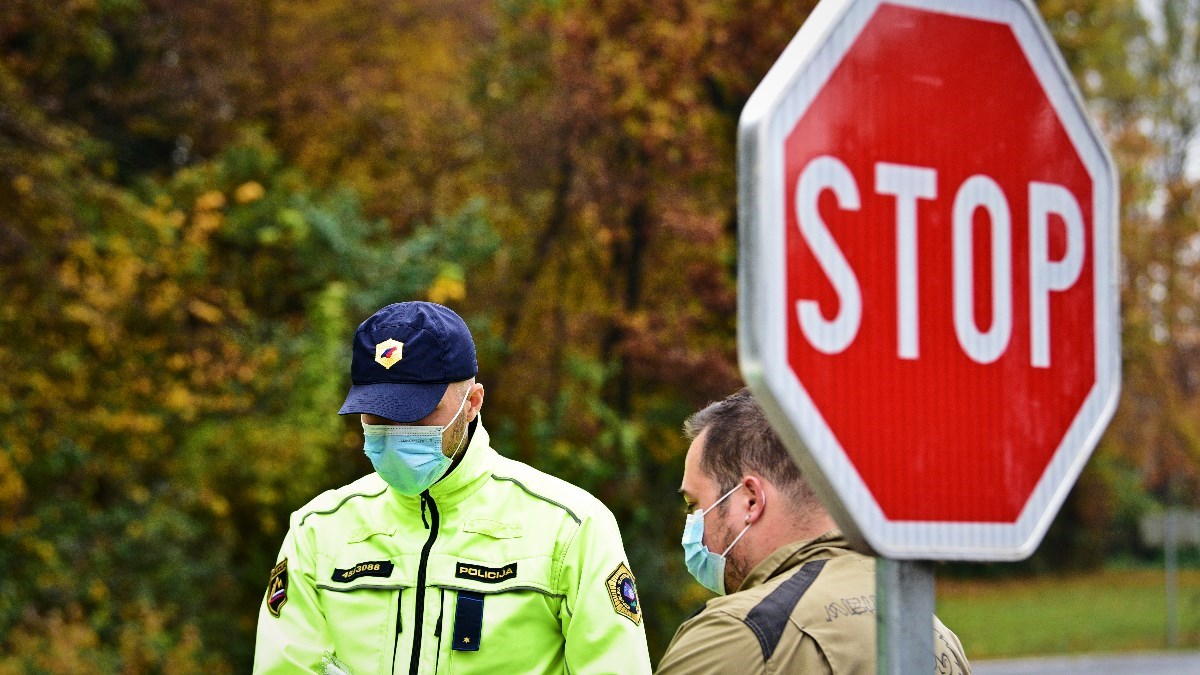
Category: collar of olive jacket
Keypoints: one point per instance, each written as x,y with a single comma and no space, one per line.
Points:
790,556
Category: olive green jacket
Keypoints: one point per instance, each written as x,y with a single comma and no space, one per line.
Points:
808,608
497,568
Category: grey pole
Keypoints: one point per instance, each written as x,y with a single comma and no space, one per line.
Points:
1171,556
904,596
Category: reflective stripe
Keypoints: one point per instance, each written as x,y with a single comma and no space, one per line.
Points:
352,495
770,616
541,497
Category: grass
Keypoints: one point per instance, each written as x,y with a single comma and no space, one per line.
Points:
1105,611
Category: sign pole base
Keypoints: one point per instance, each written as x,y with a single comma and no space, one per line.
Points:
904,620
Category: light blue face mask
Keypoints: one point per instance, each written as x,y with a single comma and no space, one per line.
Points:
707,567
409,458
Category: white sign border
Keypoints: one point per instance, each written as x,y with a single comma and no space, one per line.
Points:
776,105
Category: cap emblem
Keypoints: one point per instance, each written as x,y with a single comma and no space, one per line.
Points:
388,352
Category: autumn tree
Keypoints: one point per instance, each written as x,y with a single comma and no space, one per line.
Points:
174,327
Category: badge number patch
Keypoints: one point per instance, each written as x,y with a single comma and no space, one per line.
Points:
371,568
277,588
622,591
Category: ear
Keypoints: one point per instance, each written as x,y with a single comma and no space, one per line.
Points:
755,499
474,401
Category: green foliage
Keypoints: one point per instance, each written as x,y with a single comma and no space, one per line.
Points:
179,348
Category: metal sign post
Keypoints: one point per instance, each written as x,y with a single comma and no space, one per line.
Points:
904,598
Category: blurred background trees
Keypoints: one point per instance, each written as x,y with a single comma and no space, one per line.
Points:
199,201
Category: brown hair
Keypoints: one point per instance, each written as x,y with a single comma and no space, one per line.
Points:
740,441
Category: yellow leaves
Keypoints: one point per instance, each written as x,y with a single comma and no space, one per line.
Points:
205,312
12,487
449,285
446,290
43,551
269,356
98,591
210,201
139,494
207,217
23,185
52,644
180,401
203,224
164,220
214,502
176,362
250,191
163,299
129,422
68,275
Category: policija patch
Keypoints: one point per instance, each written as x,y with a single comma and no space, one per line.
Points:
277,589
488,575
623,593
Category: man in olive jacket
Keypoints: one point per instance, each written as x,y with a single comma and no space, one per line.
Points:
449,557
804,602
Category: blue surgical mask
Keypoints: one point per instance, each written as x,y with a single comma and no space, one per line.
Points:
409,458
707,567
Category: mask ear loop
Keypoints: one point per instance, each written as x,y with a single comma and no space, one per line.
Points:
461,441
736,539
705,512
744,529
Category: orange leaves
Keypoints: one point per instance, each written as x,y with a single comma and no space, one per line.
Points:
250,191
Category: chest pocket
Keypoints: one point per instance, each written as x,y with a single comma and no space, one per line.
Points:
361,602
501,615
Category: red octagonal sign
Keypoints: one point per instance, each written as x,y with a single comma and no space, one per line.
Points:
928,283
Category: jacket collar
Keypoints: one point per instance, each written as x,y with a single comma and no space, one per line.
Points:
789,556
468,476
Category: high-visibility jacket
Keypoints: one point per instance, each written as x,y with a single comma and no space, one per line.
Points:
497,568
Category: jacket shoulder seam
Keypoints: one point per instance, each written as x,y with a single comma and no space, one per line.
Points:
338,505
537,495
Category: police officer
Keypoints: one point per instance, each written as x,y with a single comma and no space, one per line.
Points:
449,557
802,600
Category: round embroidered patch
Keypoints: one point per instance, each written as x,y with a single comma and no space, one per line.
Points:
622,591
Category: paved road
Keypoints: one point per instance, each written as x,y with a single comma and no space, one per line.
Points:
1155,663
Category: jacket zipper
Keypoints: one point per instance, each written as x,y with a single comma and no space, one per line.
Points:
420,599
399,627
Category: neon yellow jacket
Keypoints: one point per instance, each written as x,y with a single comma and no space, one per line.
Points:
498,568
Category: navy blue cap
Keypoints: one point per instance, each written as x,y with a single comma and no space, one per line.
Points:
404,356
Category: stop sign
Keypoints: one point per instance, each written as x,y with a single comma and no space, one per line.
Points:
928,292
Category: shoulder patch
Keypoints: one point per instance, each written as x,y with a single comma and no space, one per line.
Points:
622,591
277,589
